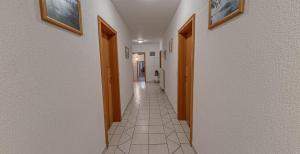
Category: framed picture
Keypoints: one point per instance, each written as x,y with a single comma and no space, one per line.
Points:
152,53
171,45
126,52
165,54
63,13
221,11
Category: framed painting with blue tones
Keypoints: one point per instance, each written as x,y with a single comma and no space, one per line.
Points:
221,11
63,13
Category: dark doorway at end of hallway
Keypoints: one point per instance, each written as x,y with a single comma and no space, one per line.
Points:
141,70
139,66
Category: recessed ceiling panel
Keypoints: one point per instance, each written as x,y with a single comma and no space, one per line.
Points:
146,19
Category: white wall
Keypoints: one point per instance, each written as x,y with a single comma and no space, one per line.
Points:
152,62
247,78
50,90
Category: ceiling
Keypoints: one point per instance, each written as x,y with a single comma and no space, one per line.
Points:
147,19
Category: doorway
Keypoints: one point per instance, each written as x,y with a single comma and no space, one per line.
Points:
109,74
186,43
141,70
139,65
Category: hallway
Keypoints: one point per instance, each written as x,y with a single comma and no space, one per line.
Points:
71,71
149,125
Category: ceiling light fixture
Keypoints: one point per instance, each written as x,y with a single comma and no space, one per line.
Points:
140,41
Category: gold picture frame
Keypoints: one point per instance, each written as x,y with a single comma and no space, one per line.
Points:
127,52
171,45
69,18
224,10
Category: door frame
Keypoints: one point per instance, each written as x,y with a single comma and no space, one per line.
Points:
190,24
104,27
143,53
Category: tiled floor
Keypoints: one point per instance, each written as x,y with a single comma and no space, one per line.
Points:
149,126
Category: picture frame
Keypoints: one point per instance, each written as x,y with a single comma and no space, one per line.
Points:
127,52
165,54
171,45
152,53
63,13
221,11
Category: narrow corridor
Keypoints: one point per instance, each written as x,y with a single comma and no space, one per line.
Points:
149,125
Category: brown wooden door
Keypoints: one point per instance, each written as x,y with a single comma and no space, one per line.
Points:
107,78
188,82
186,40
110,96
109,75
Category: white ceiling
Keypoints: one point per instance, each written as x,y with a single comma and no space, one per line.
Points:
147,19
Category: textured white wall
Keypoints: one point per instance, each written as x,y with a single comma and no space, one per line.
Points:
152,62
50,90
247,78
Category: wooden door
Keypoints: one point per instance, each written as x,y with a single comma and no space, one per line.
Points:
188,78
186,41
110,96
109,75
105,42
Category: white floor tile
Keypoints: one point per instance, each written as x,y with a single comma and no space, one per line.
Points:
155,122
115,140
187,149
179,129
141,129
182,138
111,150
140,139
142,122
156,129
119,130
172,146
158,149
139,149
157,139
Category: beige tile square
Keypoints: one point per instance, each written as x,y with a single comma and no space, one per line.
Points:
142,122
182,138
143,117
186,128
179,129
155,122
138,149
179,151
175,122
156,111
140,139
115,140
173,137
124,138
111,150
158,149
119,130
172,146
157,139
141,129
119,151
155,116
125,146
187,149
156,129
